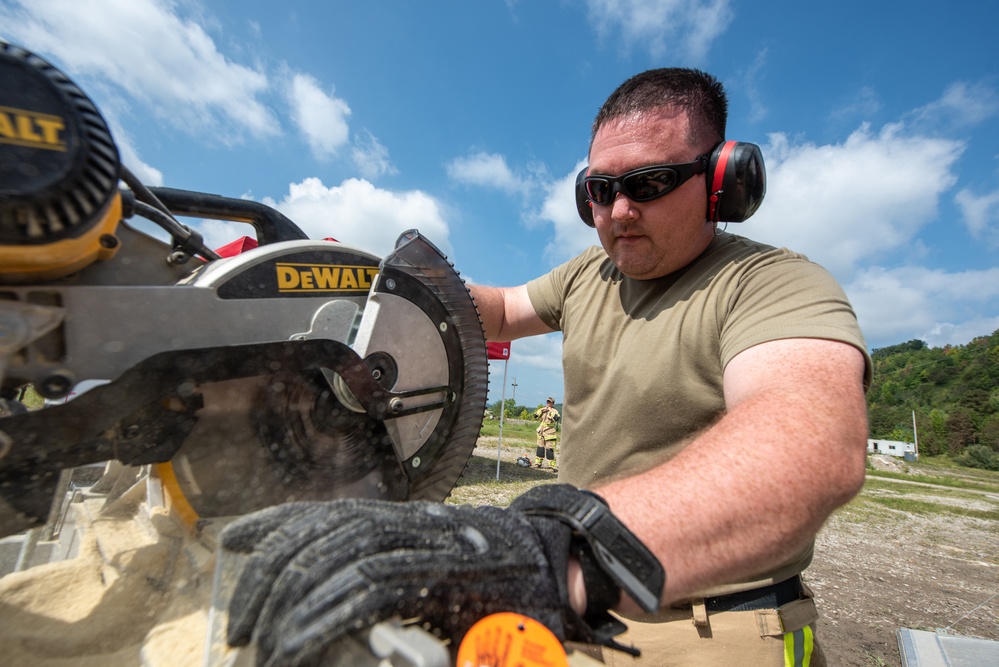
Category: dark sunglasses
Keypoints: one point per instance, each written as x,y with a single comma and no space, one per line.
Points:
644,184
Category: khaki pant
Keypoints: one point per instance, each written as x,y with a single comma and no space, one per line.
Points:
783,637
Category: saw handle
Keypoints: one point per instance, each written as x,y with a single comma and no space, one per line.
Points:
270,225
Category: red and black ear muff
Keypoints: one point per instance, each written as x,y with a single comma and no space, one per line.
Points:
583,204
736,183
736,180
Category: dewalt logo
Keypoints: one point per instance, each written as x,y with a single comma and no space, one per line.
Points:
294,277
20,127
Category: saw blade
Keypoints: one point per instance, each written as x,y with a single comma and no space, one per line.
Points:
421,315
283,437
279,438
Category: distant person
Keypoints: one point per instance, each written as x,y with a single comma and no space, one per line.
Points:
547,434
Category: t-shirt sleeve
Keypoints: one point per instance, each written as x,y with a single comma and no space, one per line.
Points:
789,298
548,292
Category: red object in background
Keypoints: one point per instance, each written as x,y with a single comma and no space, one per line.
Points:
498,350
235,247
245,243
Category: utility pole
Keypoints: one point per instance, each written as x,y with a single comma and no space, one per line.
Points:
514,385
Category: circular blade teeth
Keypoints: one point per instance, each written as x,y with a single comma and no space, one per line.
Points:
268,440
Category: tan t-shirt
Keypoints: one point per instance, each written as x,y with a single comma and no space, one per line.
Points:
644,359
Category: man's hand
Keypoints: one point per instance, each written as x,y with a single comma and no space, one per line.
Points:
320,571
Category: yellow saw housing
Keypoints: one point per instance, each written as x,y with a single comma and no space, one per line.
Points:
47,261
59,200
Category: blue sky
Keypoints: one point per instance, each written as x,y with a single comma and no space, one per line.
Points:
879,123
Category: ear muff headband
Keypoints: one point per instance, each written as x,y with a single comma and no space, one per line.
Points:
735,178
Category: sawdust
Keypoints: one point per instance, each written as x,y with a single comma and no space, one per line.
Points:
130,597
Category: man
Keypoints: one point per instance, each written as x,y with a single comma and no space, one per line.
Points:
547,434
735,375
763,422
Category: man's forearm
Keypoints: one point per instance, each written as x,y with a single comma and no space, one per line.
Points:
749,493
507,313
489,301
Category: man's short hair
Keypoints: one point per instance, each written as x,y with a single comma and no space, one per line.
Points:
698,93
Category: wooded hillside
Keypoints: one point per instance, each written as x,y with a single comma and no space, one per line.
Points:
954,391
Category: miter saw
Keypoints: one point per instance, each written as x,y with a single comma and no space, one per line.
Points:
297,370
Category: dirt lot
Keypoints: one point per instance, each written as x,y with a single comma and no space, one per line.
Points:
877,569
900,555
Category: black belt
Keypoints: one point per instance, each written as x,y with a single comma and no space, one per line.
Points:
768,597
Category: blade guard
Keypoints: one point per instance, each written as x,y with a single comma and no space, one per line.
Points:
421,316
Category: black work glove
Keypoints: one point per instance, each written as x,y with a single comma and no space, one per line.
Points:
320,571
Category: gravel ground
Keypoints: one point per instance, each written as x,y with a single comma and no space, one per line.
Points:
877,570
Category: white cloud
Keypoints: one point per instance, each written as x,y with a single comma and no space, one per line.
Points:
129,155
981,214
961,333
962,104
918,302
572,235
850,203
217,233
488,170
370,157
751,80
557,206
536,363
147,50
664,27
541,352
864,104
320,117
357,213
860,206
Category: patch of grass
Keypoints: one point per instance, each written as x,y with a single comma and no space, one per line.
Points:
869,507
511,429
939,480
945,465
478,484
861,510
941,462
903,489
924,507
875,660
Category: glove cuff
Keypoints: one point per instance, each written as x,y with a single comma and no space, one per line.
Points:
601,591
612,558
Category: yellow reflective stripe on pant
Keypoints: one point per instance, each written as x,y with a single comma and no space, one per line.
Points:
798,646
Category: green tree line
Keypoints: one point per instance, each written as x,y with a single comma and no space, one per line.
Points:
514,410
954,392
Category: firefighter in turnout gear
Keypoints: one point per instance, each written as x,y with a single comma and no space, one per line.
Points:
547,434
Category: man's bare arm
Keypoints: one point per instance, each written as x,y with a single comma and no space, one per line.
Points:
507,313
751,491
